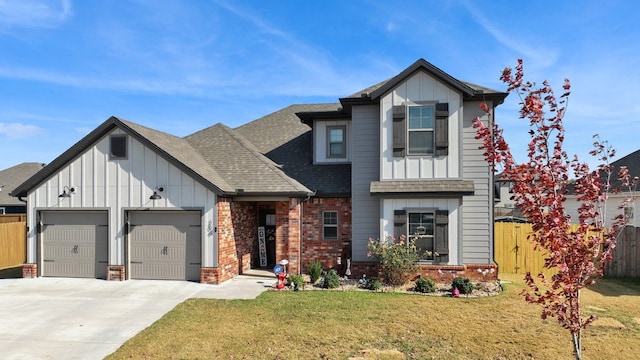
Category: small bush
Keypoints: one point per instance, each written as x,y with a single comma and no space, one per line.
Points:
331,280
463,285
314,269
398,258
373,284
295,281
425,285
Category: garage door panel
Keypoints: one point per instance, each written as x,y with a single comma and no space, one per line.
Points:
165,245
75,244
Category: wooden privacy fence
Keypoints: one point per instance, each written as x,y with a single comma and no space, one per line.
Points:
514,253
9,218
626,256
13,244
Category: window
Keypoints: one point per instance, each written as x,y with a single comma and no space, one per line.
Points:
330,225
118,147
628,214
2,210
336,143
421,129
421,226
429,228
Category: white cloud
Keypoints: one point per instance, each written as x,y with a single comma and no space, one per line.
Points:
18,130
34,13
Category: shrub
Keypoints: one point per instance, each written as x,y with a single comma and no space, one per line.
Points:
295,281
425,285
315,271
331,280
463,285
373,284
398,258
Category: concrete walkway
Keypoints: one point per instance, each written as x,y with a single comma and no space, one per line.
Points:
63,318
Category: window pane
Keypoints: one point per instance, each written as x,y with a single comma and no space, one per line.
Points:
330,232
335,135
336,149
420,142
330,217
423,244
421,117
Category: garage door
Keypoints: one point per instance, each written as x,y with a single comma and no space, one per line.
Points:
165,245
75,243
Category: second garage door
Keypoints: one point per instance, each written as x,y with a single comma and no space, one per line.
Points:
165,245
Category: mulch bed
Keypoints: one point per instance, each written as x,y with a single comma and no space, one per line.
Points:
442,289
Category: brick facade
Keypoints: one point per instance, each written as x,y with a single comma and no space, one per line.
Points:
330,253
237,224
438,273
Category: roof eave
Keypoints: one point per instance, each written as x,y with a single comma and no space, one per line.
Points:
307,117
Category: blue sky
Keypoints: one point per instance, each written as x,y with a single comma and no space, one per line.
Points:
180,66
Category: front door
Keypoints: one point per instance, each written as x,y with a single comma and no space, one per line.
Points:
267,219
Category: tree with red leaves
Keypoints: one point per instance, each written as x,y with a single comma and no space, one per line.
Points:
540,187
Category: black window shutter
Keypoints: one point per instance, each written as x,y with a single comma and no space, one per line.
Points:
442,235
399,223
399,130
442,129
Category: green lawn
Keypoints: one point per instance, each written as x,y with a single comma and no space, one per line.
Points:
341,325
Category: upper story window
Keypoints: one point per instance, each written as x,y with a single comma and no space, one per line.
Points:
118,146
336,141
330,225
421,129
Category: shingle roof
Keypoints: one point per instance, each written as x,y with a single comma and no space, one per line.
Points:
242,164
284,139
14,176
182,151
174,149
469,90
274,130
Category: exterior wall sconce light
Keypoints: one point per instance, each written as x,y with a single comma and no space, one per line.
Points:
155,195
65,193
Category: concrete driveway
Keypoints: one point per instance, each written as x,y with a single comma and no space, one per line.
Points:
60,318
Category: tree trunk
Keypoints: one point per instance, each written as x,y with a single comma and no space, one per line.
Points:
577,344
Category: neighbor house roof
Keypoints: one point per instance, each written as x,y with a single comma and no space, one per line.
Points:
14,176
284,139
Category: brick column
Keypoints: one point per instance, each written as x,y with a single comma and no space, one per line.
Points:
116,272
30,270
293,238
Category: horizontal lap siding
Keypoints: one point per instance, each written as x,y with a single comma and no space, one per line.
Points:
476,209
365,169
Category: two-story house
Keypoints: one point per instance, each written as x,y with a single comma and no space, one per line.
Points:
308,182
